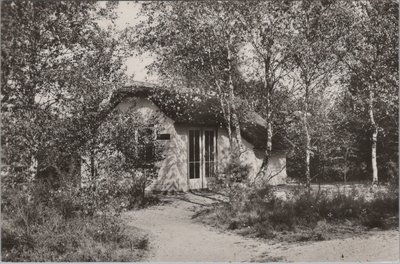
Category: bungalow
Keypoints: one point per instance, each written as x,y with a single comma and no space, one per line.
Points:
195,137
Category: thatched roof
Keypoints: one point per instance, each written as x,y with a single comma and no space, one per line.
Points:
185,107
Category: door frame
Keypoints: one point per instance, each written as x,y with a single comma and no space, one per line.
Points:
203,179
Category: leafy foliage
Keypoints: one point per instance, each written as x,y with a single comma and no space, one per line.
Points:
303,66
59,68
124,154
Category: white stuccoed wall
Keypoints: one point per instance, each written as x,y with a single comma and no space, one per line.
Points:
253,158
277,168
173,170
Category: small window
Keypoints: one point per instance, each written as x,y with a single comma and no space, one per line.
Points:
145,135
145,141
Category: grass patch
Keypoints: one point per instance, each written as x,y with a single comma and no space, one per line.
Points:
303,217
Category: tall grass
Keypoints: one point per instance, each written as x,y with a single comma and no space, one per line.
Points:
259,212
61,228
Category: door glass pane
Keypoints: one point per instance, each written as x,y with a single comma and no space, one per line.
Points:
191,170
197,145
211,146
194,154
206,146
209,153
197,170
191,150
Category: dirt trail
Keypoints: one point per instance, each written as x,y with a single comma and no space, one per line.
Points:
174,236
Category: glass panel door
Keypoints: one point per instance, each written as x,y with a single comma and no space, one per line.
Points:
201,158
194,154
209,153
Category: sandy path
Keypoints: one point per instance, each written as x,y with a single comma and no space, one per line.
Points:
378,246
174,236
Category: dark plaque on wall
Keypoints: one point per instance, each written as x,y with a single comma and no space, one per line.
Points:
164,136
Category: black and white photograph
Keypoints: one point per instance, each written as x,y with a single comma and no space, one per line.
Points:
200,131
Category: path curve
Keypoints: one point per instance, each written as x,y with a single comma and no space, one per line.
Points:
175,236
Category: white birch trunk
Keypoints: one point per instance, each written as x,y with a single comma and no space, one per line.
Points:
268,89
374,138
308,141
308,154
234,116
33,169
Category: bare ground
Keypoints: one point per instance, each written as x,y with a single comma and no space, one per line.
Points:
175,236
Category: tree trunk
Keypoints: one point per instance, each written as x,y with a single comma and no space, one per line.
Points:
229,121
308,154
237,134
226,114
92,167
374,138
268,86
234,116
308,141
144,186
346,168
268,90
224,107
33,169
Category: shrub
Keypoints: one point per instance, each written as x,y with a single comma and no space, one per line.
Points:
235,172
391,173
314,215
70,240
264,230
282,216
62,230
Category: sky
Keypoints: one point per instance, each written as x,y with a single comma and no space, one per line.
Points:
128,16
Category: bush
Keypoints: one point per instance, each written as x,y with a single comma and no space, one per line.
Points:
264,230
70,240
281,217
313,215
380,209
235,172
63,230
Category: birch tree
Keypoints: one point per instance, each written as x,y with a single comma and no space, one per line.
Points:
195,45
372,61
58,69
267,27
319,28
